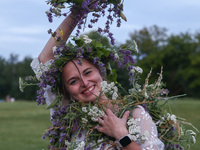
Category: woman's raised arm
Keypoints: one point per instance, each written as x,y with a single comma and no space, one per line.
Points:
67,26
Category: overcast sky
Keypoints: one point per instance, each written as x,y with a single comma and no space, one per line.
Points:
24,25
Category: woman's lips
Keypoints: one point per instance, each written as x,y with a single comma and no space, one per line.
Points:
87,91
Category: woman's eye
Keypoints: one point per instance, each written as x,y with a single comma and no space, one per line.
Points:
73,82
88,72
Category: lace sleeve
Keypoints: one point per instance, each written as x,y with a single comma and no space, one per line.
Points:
147,125
38,69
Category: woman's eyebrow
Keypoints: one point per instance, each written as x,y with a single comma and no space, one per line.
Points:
72,78
87,69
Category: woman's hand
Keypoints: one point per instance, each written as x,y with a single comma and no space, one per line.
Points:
113,126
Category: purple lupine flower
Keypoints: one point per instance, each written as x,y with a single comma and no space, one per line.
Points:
118,22
90,26
171,145
131,59
89,50
112,56
166,146
119,64
129,68
85,4
80,50
177,145
51,140
49,31
96,59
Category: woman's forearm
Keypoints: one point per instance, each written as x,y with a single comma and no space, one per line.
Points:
67,26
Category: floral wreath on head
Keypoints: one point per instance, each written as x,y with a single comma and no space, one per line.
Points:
99,55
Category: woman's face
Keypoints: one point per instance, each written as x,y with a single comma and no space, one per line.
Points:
82,81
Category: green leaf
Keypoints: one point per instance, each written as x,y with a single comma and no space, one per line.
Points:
71,116
99,54
59,63
112,77
56,100
114,1
61,1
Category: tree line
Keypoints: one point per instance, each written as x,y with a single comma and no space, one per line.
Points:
178,54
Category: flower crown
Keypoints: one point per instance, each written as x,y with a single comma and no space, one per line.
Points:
83,47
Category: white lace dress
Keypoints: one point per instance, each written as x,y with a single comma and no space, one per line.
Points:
145,121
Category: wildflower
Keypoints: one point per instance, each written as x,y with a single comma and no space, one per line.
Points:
86,39
81,146
116,56
136,69
171,117
109,88
84,109
191,132
193,139
21,84
84,120
135,46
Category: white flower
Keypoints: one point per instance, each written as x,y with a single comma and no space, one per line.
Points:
114,96
173,118
136,69
67,143
191,132
181,131
110,89
80,146
193,139
101,113
133,122
86,39
134,138
94,119
116,56
84,109
135,46
84,120
95,109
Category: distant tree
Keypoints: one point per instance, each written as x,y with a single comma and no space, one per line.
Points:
11,70
24,70
148,40
3,82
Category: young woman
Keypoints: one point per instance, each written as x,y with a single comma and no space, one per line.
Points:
83,83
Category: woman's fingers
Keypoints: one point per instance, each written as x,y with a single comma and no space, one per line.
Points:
125,116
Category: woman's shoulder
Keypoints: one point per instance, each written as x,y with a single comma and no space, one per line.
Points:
140,112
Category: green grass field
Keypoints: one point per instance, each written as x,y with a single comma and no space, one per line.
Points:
23,123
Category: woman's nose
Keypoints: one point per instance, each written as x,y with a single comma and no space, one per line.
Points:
84,82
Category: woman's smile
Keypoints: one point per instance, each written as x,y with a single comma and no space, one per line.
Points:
88,90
